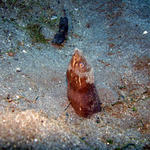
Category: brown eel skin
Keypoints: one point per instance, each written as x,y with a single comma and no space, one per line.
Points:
81,90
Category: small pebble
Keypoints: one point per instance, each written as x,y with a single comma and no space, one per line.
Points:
8,96
17,96
35,140
97,120
53,17
18,70
24,51
16,59
83,138
30,89
145,32
67,115
11,54
76,9
111,45
88,25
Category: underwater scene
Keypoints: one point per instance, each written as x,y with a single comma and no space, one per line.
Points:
74,74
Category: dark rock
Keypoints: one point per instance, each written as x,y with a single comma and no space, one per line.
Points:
60,36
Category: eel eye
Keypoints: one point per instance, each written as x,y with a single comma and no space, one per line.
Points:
81,65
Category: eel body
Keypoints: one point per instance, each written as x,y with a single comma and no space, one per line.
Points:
81,90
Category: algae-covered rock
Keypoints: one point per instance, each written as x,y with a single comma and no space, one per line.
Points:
34,31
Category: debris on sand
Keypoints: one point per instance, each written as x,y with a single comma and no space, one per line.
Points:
60,36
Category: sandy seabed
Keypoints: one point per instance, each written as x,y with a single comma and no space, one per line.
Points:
114,37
